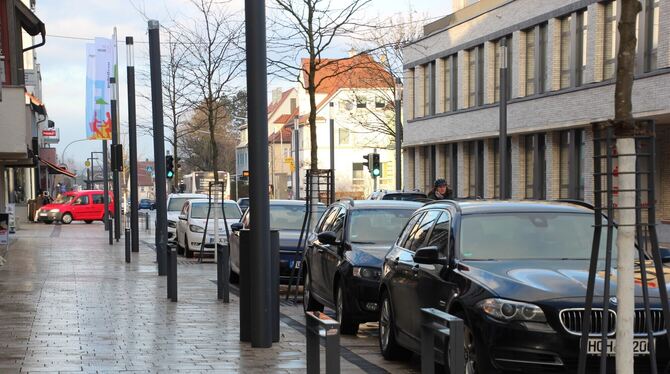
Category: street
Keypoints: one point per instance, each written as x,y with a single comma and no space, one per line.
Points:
71,304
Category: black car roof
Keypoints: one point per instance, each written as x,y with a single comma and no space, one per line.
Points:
376,204
290,202
502,206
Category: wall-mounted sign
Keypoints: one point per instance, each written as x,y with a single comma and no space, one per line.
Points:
51,136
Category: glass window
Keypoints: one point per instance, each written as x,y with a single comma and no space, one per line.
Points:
530,62
326,219
582,40
357,176
286,217
529,236
343,136
565,52
338,224
199,211
440,235
497,63
98,199
377,226
63,199
446,84
419,235
542,50
429,88
651,50
361,102
176,203
472,74
409,229
564,176
609,43
496,168
528,140
380,102
81,200
472,169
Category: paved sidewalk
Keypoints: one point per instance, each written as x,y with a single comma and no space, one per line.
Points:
69,303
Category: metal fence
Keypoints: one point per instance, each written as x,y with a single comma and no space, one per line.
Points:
436,323
319,325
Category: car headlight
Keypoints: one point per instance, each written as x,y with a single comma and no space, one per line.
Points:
367,273
54,211
196,228
507,310
172,224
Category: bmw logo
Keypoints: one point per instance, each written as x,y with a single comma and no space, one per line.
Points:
613,300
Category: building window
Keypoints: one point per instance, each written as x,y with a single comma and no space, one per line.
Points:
448,85
565,52
535,166
571,171
472,169
497,63
530,61
344,136
496,168
357,175
361,102
582,46
651,50
541,52
472,69
528,151
380,102
429,88
609,43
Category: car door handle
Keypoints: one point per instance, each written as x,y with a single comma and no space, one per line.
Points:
395,261
415,270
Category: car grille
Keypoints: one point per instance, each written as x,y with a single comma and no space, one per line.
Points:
572,320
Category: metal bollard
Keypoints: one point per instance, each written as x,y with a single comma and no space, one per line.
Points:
223,273
436,322
127,234
146,221
172,280
245,287
274,284
315,322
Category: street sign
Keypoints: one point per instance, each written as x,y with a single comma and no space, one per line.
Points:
150,169
87,163
51,136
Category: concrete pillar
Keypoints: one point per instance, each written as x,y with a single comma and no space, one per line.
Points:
408,168
420,167
518,63
664,35
554,54
489,72
419,99
588,165
462,79
439,85
408,95
489,168
595,33
440,161
463,162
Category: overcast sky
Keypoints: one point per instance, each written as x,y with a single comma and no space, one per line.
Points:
70,23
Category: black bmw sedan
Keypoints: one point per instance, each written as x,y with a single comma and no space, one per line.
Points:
516,273
343,262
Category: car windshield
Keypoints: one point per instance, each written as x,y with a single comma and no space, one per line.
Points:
176,203
529,236
199,211
290,217
377,226
63,199
404,196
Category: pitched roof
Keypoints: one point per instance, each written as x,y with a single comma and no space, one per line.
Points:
281,136
276,104
360,71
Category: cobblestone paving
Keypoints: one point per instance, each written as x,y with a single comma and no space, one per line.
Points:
69,303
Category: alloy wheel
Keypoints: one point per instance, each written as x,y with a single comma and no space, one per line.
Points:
306,292
385,323
470,352
67,218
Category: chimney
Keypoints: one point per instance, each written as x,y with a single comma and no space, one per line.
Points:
276,94
352,52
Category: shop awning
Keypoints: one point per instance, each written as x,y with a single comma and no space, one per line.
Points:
55,169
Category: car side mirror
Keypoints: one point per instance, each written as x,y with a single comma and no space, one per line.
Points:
182,217
237,226
665,254
327,237
429,256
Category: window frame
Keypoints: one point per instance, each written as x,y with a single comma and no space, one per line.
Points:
446,249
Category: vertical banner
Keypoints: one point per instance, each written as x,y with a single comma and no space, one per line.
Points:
99,68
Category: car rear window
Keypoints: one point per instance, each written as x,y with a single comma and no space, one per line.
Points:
377,226
528,236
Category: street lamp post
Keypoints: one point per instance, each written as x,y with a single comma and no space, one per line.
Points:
62,154
332,151
132,159
398,134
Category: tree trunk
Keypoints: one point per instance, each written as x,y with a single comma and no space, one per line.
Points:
624,127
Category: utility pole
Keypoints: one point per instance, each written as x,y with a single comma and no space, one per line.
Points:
132,135
105,174
398,134
115,167
296,146
502,138
332,151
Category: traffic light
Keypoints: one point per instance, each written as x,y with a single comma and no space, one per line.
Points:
368,161
376,169
169,166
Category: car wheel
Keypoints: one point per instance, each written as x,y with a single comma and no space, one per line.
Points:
348,326
390,348
476,359
187,250
88,221
67,218
308,302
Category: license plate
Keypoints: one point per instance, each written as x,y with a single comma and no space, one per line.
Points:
43,214
640,346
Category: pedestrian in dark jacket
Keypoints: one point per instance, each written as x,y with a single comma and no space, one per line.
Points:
440,190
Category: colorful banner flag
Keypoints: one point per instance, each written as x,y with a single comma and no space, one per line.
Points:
99,68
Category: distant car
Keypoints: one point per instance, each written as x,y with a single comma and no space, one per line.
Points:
192,221
175,203
342,264
243,203
146,204
86,205
287,216
403,195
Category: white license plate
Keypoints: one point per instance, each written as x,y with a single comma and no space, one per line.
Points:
640,346
43,214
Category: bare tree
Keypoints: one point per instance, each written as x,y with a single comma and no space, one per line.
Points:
624,129
309,28
213,60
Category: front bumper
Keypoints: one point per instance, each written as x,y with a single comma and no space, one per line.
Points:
172,234
47,216
288,259
195,241
362,295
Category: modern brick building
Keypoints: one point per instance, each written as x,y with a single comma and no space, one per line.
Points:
562,57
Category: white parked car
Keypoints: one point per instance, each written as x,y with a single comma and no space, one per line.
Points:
175,203
192,220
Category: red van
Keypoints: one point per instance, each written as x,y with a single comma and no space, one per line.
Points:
87,206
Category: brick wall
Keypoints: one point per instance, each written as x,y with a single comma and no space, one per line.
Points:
489,168
588,164
419,98
463,79
408,94
554,39
664,34
518,63
463,162
553,164
518,169
408,167
419,167
439,85
489,72
596,46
